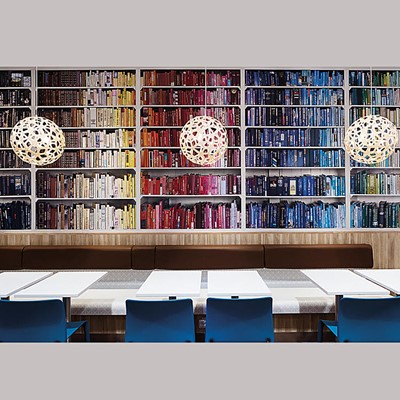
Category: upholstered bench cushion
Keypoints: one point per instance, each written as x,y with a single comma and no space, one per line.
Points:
299,256
209,257
143,257
11,257
77,257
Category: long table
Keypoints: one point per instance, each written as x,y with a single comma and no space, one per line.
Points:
387,278
236,284
64,285
342,282
12,282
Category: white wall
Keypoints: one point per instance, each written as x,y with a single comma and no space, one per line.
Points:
199,33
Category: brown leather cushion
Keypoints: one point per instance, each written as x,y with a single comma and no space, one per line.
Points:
77,257
209,257
319,256
143,257
11,257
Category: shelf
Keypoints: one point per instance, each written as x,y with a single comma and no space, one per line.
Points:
374,195
15,196
175,147
207,87
15,169
177,126
100,148
189,105
94,106
294,105
61,199
191,168
133,88
294,147
95,128
291,127
104,169
15,87
294,197
175,196
289,168
19,107
293,86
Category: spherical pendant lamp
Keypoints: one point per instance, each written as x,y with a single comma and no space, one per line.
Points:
371,139
203,140
37,141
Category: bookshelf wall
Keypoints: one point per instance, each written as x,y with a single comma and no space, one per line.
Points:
122,169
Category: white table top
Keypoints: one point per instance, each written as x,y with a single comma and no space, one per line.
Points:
12,282
171,283
388,278
343,282
236,283
62,284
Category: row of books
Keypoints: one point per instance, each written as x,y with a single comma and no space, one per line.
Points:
274,137
87,97
190,78
15,185
294,158
299,96
8,118
218,96
373,215
86,78
294,78
301,116
15,215
203,215
384,97
392,161
93,117
392,114
14,78
190,184
5,138
364,182
176,159
170,137
295,215
84,216
379,78
306,185
96,159
15,97
8,159
99,186
100,138
179,116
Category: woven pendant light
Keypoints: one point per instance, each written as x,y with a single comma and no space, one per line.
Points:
371,139
203,140
37,140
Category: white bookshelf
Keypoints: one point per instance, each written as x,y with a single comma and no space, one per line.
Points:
134,93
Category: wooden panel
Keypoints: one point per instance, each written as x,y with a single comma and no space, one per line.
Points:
384,242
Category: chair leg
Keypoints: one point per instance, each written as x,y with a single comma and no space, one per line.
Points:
320,331
86,327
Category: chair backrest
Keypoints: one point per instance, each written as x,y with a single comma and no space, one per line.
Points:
159,321
32,321
369,320
239,320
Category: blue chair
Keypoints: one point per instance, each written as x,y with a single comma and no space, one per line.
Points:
159,321
239,320
365,320
37,321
